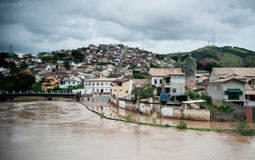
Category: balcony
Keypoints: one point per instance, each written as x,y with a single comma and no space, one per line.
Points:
167,84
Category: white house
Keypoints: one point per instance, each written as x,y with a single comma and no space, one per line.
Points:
42,67
36,59
168,80
105,73
99,85
70,81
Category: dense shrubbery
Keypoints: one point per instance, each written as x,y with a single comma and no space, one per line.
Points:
146,91
209,105
140,75
19,81
182,125
243,128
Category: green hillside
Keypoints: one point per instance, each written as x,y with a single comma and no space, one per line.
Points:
220,56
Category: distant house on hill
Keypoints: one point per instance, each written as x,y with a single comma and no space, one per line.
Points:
42,67
69,81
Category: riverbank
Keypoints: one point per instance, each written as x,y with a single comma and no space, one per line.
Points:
238,128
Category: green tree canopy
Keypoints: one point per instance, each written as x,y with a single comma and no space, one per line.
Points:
23,80
67,64
78,56
146,91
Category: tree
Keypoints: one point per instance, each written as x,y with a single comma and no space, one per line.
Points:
23,80
78,56
67,64
23,65
146,91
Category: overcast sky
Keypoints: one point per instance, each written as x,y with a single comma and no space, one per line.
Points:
160,26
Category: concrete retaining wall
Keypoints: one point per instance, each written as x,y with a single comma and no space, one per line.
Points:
169,111
187,114
197,115
223,117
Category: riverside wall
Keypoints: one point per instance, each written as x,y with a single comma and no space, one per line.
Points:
165,110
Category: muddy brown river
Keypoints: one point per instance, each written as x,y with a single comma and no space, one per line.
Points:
67,130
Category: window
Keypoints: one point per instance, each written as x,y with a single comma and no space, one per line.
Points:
155,81
168,79
97,84
174,90
102,84
89,84
106,83
160,81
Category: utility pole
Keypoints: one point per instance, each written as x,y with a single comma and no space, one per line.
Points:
138,103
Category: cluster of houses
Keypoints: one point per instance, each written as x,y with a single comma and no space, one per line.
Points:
99,62
108,69
235,85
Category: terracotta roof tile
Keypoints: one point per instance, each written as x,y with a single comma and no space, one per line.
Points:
245,72
165,71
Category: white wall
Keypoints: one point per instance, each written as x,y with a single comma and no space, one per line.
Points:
234,84
158,81
102,85
178,82
216,90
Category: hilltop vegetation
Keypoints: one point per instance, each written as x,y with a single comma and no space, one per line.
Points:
218,57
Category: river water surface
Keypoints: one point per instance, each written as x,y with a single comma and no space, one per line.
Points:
67,130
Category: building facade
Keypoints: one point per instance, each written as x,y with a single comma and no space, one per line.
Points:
230,90
69,81
50,83
168,80
122,87
98,86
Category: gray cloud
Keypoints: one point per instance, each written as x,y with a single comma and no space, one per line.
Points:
160,26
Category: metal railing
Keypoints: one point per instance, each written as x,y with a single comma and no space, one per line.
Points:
37,92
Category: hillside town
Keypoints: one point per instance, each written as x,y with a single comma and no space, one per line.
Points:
141,81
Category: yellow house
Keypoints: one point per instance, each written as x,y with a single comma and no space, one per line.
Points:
122,87
50,83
